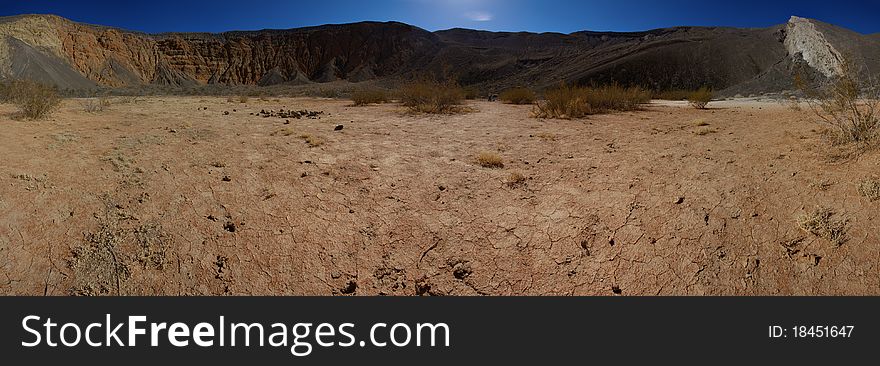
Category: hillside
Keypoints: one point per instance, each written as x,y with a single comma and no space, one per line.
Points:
71,55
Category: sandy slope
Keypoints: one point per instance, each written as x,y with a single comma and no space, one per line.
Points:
134,201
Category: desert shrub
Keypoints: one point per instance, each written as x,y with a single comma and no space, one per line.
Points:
870,188
243,99
432,97
841,104
577,102
312,140
328,93
127,99
34,100
369,96
823,222
700,98
488,159
674,94
518,96
471,93
564,102
95,105
515,179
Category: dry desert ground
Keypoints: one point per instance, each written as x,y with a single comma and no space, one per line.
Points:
174,196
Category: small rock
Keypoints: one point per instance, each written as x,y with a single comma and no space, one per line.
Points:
679,200
338,128
462,270
349,288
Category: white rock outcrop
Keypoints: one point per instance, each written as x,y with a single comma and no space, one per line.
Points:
804,38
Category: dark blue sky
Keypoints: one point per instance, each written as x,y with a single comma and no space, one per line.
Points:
507,15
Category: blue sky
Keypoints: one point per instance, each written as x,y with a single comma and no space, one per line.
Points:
499,15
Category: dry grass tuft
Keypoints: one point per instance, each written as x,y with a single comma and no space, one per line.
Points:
490,160
823,223
95,105
546,136
34,100
700,98
515,180
243,99
518,96
282,132
870,188
566,102
432,97
311,140
369,96
704,131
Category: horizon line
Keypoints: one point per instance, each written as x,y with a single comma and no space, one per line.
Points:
417,26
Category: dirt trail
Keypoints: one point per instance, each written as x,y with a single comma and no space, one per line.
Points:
173,196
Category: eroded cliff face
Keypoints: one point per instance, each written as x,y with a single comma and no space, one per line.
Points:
73,55
113,57
804,39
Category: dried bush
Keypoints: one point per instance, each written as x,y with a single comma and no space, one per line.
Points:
675,94
515,179
432,97
518,96
870,188
471,93
849,103
369,96
490,160
823,223
700,98
95,105
576,102
312,140
34,100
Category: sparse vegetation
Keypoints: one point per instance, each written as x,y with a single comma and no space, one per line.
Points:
841,104
328,93
701,123
311,140
518,96
490,160
95,105
34,100
704,131
243,99
471,93
282,132
546,136
432,97
676,94
870,189
515,180
369,96
823,222
567,102
700,98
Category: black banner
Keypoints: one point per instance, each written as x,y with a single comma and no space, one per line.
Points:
515,330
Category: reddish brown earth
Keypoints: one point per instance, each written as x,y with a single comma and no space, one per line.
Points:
143,199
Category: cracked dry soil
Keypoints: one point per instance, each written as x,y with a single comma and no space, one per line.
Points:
183,195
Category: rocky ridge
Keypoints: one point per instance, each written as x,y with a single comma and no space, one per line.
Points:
74,55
